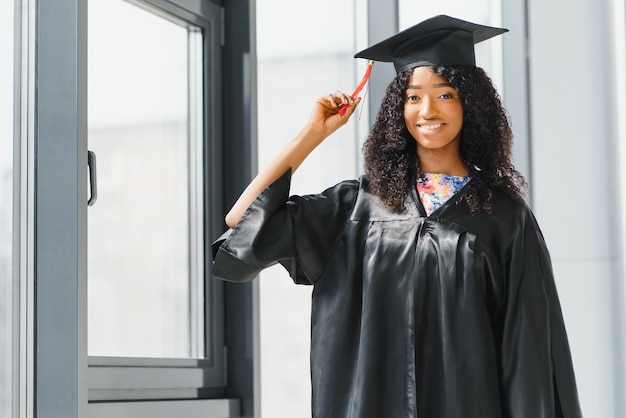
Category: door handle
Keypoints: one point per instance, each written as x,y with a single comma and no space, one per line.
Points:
93,184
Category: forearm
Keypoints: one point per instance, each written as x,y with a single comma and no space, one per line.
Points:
290,157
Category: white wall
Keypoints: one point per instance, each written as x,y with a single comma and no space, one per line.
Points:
575,190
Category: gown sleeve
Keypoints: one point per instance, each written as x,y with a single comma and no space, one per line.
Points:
297,232
537,371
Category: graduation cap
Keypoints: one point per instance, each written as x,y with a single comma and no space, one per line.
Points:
440,40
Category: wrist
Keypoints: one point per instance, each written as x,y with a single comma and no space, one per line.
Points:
313,134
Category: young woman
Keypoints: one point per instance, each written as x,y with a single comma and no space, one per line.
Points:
433,290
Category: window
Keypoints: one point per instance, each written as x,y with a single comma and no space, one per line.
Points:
47,335
146,231
155,327
6,208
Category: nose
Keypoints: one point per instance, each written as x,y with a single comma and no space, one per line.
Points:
429,108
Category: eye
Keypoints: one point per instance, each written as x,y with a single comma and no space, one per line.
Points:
447,96
411,98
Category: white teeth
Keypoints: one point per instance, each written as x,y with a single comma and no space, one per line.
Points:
431,127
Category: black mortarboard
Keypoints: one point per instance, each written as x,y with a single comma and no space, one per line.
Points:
440,40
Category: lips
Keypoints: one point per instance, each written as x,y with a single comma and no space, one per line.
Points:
430,126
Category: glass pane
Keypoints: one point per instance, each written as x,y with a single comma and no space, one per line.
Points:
6,204
144,262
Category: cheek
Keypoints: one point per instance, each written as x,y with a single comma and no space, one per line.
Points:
459,120
458,117
461,113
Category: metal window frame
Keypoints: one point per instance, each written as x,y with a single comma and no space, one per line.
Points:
50,273
22,399
382,22
60,186
516,83
618,9
123,378
199,408
239,159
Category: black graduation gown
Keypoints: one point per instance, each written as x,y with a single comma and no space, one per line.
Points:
455,315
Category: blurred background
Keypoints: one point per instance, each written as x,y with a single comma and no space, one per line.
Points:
561,71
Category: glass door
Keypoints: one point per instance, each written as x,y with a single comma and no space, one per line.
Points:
155,127
146,243
155,323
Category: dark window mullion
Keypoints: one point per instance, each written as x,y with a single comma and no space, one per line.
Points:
60,353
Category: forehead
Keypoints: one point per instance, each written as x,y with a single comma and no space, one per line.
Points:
425,77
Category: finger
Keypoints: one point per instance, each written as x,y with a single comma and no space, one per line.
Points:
339,98
349,107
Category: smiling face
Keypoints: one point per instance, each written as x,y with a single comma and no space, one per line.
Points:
433,115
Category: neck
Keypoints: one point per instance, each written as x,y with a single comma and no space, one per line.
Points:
435,163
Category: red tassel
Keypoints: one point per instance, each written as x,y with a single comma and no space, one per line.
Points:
366,77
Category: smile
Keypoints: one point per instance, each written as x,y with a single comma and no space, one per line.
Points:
431,127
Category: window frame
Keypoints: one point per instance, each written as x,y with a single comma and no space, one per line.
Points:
128,378
50,225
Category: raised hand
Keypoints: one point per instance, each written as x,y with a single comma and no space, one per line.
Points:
326,117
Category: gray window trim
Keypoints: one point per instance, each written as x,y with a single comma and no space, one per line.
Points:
119,378
60,212
619,102
382,22
51,228
516,91
239,156
141,378
22,399
215,408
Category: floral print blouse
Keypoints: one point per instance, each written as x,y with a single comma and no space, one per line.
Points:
435,189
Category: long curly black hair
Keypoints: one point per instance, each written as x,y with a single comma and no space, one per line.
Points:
390,155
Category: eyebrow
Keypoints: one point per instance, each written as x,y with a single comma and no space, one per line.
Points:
437,86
